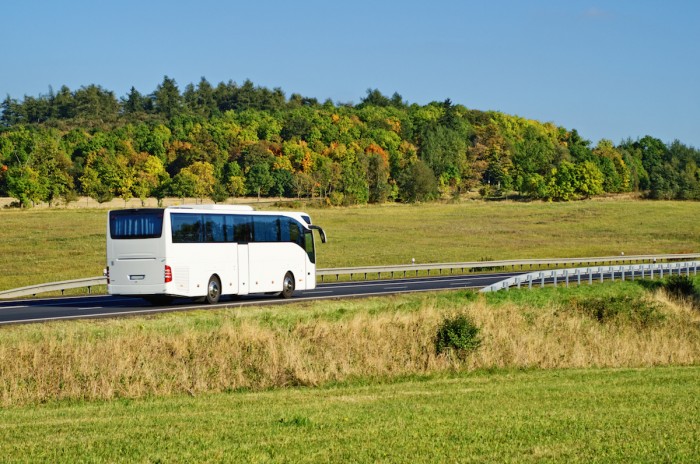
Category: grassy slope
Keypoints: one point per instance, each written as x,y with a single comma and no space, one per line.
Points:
40,245
630,415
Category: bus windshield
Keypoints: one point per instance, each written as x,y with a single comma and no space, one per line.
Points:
136,224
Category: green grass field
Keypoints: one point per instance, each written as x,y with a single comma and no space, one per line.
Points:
593,415
41,245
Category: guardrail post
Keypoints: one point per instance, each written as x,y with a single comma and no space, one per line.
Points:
601,274
622,270
566,276
554,275
542,276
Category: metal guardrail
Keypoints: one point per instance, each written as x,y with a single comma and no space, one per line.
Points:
54,287
565,275
451,268
392,271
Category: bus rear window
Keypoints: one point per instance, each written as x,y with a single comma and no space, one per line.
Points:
135,224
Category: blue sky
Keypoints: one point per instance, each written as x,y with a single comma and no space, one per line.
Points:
610,69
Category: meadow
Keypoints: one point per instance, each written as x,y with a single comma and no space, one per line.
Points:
645,415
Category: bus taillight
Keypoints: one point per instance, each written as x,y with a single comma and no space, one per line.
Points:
168,274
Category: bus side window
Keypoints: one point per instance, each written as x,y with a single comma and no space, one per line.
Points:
186,228
266,229
214,228
229,228
286,224
295,234
242,229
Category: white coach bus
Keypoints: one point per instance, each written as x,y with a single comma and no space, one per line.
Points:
208,251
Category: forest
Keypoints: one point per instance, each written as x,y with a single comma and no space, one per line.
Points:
234,140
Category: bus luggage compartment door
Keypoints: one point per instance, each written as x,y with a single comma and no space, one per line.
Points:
243,270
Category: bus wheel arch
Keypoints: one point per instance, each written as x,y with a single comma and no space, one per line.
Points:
288,285
213,289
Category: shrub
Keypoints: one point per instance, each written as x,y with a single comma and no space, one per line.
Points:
458,334
679,286
620,309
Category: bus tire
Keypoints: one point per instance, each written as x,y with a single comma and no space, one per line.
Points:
287,285
213,290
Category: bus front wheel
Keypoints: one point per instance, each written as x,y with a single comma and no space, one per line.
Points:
287,285
213,290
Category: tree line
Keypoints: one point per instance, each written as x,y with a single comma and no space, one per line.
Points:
234,140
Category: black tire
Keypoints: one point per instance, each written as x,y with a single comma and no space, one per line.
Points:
287,285
213,290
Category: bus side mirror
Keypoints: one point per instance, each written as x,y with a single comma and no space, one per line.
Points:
320,233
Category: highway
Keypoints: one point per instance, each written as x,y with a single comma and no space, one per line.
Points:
52,309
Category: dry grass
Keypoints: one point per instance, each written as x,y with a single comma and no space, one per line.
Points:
559,337
318,344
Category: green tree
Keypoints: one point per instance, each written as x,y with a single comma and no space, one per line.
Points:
150,174
259,180
203,172
53,166
135,103
563,182
167,98
418,183
590,179
378,177
235,181
444,151
95,105
184,184
93,186
26,185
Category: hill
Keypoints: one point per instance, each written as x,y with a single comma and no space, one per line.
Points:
232,140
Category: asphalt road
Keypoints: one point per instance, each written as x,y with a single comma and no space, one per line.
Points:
51,309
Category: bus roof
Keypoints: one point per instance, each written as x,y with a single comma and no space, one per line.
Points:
241,208
215,207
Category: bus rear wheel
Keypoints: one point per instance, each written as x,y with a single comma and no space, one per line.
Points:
213,290
287,285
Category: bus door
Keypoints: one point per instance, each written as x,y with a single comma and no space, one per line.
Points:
243,270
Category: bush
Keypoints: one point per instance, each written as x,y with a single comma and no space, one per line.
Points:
620,309
458,334
679,286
